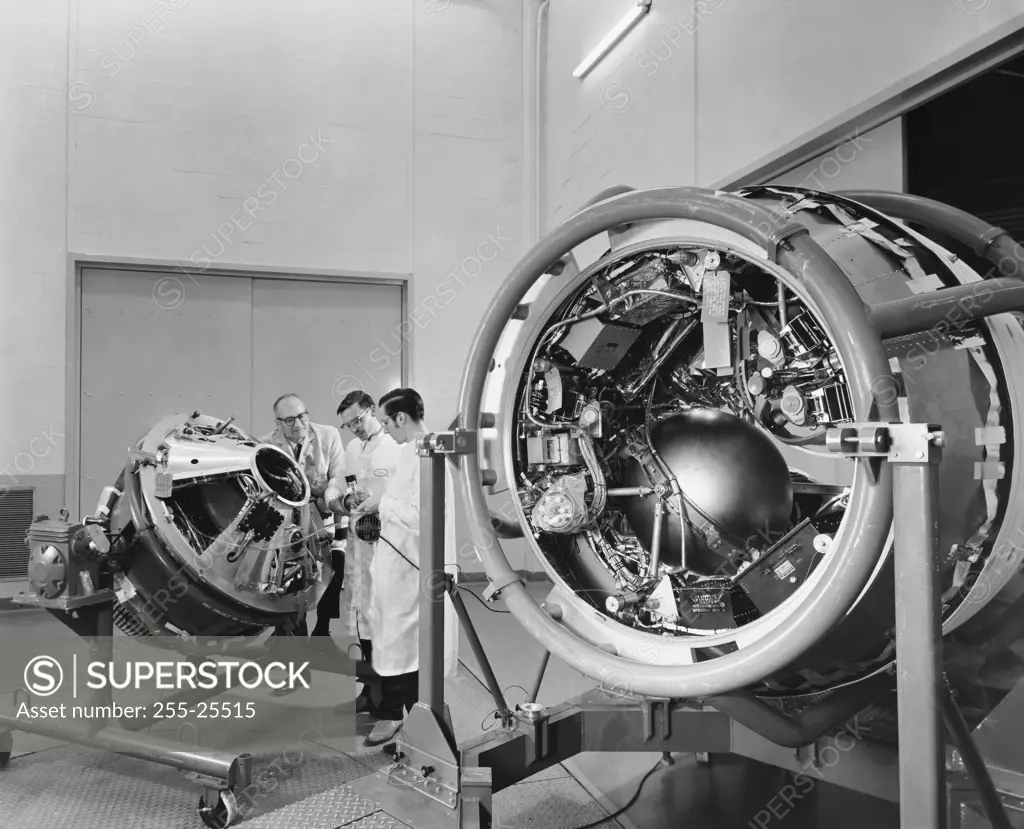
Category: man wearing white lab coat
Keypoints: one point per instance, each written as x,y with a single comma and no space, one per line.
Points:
371,457
396,582
318,451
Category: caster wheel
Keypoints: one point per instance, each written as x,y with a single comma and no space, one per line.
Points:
221,815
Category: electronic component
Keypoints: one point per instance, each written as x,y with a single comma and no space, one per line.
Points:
553,449
831,404
783,568
706,605
805,340
562,509
599,345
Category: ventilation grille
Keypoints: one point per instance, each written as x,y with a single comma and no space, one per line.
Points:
16,509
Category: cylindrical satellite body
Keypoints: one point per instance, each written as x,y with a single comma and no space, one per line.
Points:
663,370
211,534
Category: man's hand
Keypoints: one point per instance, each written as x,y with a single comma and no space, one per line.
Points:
337,505
318,487
367,506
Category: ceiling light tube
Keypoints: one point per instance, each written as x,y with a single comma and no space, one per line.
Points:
609,41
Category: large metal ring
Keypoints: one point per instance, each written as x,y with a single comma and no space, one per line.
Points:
846,572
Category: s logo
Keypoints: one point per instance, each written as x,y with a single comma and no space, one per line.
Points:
380,473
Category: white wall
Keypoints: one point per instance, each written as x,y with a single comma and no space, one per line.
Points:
346,135
700,90
872,161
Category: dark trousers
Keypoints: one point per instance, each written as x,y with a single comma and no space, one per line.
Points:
329,606
365,673
399,694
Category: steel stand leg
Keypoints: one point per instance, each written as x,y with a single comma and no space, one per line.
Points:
535,688
433,583
920,683
974,763
478,649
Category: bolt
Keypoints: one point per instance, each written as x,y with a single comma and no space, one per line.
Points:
920,454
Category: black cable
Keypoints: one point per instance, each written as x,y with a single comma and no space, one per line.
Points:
470,672
632,801
370,533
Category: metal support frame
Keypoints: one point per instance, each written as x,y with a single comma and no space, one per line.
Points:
923,696
462,779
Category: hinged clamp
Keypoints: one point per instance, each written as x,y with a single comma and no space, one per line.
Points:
454,442
493,590
897,442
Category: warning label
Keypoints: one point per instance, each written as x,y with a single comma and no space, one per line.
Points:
715,292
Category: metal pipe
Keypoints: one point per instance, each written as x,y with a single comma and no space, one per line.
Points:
783,321
830,292
432,587
478,649
629,491
920,687
974,763
659,519
538,681
811,724
948,309
142,746
986,240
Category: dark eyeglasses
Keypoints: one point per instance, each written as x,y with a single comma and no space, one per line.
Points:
350,424
301,416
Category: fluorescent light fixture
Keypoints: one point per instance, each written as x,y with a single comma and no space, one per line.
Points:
609,41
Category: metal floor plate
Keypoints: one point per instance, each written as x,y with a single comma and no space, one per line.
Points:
378,820
547,803
75,788
327,810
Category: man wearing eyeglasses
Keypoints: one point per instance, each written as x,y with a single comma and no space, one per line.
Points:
316,448
372,457
318,451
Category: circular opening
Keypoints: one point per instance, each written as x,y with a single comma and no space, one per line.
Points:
751,542
281,474
653,664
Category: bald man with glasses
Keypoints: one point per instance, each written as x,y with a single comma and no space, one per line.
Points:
315,447
318,451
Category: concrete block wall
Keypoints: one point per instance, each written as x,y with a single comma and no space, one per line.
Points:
700,90
348,135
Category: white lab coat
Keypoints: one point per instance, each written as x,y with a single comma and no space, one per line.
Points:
373,462
321,457
396,586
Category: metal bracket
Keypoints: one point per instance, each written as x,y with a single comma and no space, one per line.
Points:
493,590
455,442
433,788
477,788
650,705
138,458
898,443
780,237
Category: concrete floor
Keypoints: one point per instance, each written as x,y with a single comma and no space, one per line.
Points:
51,785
